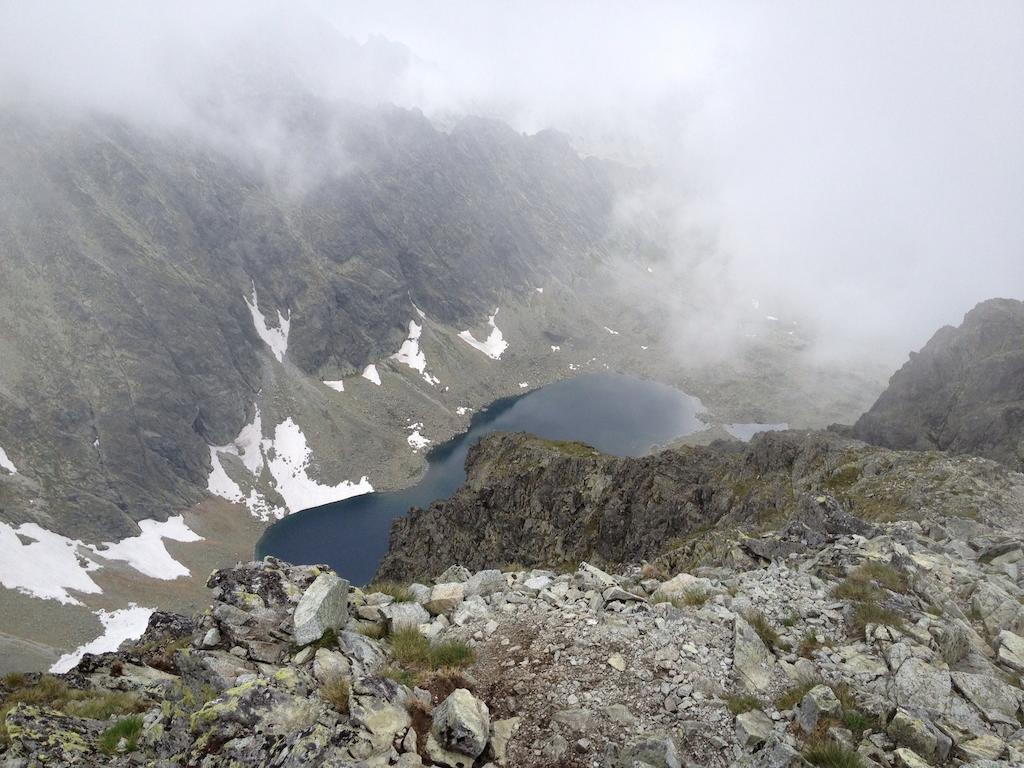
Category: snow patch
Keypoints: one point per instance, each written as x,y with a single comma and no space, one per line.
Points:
46,567
275,338
6,463
417,441
613,333
420,312
410,354
555,347
288,459
462,410
370,374
772,318
524,384
120,625
493,346
651,271
337,385
146,552
540,290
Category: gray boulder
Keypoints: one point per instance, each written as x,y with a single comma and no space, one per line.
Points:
323,606
817,703
461,725
404,615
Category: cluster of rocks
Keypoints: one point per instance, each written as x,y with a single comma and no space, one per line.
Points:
765,665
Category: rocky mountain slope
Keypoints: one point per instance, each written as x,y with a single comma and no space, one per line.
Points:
963,392
151,280
831,641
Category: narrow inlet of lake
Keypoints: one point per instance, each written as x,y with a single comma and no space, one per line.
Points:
617,414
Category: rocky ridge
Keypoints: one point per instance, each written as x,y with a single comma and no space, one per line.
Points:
538,502
963,392
879,643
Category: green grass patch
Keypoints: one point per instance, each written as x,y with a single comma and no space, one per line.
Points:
414,653
809,644
857,722
570,447
873,613
53,692
376,631
828,754
738,703
843,477
129,729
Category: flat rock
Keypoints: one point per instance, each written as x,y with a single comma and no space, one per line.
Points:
462,724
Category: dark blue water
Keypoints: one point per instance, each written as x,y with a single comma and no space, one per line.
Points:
616,414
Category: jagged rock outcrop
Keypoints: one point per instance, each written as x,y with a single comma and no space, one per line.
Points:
963,392
534,502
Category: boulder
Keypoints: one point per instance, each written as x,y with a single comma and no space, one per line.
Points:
330,666
461,725
485,583
912,732
908,758
323,606
817,703
404,615
472,609
591,577
920,685
997,701
501,734
753,728
752,661
445,597
998,610
453,573
654,751
1011,650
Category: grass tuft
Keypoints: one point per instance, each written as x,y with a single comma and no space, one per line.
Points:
337,693
129,729
768,634
828,754
415,654
739,703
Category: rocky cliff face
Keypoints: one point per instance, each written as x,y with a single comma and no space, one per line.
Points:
149,282
963,392
533,501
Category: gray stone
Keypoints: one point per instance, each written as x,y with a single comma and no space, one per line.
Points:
1011,650
817,703
404,615
908,758
212,638
577,719
997,701
655,751
471,609
330,666
486,583
912,732
591,577
462,724
753,728
453,573
445,597
618,593
920,685
501,734
323,606
752,662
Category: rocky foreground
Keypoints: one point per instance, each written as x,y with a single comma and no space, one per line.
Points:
831,641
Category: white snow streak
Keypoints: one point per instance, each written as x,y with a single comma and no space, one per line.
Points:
613,333
146,552
275,338
493,346
6,463
120,625
288,458
540,290
47,567
336,384
370,374
524,384
410,354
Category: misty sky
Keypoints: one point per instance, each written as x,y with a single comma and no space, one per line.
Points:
860,164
